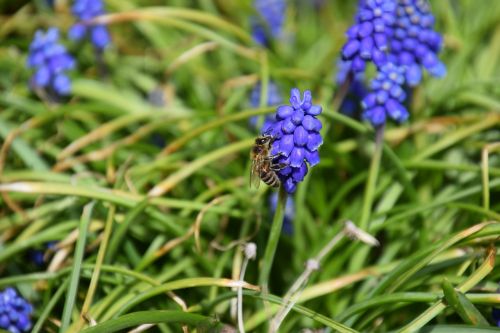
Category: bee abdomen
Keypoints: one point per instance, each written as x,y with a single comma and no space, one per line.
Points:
271,179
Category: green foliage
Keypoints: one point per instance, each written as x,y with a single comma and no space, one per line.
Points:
162,242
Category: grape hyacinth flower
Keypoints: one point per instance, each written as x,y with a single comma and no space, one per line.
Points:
296,138
38,256
270,21
273,98
386,96
15,312
50,61
289,214
415,43
86,10
368,39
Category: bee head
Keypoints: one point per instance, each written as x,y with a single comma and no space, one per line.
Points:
262,140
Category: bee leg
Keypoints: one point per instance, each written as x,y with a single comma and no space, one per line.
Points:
278,166
272,157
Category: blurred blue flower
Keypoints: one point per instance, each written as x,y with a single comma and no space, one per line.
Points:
15,312
270,21
85,10
386,96
495,314
368,39
38,256
415,43
296,138
158,98
50,60
273,98
289,211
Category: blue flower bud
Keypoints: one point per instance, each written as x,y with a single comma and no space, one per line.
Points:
269,24
15,312
50,61
86,10
386,97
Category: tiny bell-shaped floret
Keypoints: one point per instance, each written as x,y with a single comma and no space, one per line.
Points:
386,97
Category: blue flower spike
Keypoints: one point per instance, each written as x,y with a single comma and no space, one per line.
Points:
368,39
296,138
15,312
415,43
270,21
85,10
386,97
50,60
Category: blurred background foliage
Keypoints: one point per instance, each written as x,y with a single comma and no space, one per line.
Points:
169,100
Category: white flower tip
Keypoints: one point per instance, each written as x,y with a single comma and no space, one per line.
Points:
250,250
312,265
352,231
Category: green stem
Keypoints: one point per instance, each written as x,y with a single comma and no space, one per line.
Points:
77,265
372,179
274,236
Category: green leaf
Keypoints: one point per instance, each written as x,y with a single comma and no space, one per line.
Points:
29,156
457,329
77,265
151,317
465,309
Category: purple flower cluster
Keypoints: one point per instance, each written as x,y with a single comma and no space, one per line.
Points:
50,60
87,10
368,39
273,98
296,138
269,23
15,312
399,33
415,43
386,96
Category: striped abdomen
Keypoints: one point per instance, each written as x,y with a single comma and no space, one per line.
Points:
270,178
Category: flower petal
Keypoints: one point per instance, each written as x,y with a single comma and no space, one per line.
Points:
314,110
284,111
297,157
288,126
312,157
299,173
314,140
300,136
289,185
297,117
286,144
295,98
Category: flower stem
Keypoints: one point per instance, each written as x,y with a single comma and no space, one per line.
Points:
372,178
272,243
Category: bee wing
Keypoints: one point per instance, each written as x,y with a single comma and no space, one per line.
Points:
254,174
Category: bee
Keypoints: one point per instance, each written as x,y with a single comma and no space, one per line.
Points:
263,165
